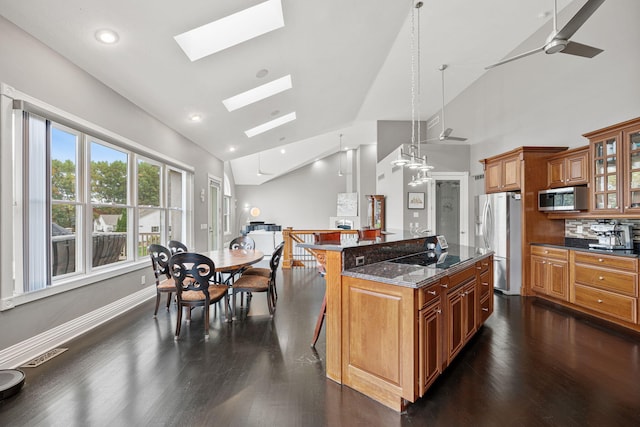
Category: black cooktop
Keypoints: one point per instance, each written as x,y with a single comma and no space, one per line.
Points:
430,259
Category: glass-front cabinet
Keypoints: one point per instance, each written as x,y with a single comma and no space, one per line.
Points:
632,142
616,173
375,211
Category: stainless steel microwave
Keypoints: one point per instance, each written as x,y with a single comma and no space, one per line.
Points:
563,199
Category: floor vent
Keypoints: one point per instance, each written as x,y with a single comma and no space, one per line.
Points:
44,358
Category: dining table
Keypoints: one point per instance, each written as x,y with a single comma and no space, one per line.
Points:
233,261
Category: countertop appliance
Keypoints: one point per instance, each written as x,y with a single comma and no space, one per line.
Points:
563,199
612,235
498,229
431,258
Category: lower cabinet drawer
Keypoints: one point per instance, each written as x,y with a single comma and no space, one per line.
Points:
486,285
615,305
485,308
610,280
428,294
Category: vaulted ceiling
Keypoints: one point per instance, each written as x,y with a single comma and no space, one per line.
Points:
349,61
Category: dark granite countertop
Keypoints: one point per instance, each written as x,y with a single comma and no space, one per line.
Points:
623,253
416,276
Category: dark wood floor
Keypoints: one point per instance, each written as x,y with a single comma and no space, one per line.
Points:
530,365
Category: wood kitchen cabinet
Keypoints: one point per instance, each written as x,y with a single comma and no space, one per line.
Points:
430,345
376,211
606,284
536,226
550,271
616,169
568,168
503,174
396,340
485,286
461,310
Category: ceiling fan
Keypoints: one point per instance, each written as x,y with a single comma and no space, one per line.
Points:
558,41
445,135
260,172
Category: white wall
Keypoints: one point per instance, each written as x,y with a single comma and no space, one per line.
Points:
554,99
303,199
32,68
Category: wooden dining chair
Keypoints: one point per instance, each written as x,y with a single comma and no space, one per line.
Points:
164,282
264,272
251,283
176,246
193,274
242,242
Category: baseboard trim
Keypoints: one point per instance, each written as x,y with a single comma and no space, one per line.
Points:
20,353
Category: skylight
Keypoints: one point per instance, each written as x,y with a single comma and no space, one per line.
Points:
258,93
270,125
231,30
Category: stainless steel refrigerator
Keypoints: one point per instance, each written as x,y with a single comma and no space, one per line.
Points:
498,228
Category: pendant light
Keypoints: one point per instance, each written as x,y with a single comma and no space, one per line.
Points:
413,160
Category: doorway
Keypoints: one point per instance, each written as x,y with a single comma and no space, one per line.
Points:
448,206
215,211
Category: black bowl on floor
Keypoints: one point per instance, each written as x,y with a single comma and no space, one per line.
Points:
11,381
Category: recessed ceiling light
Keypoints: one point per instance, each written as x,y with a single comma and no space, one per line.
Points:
283,151
258,93
270,125
231,30
262,73
232,149
107,36
195,118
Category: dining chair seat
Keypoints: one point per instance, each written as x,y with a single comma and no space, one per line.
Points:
167,285
215,292
257,271
252,283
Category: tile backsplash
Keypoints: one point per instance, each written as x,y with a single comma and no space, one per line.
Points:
571,228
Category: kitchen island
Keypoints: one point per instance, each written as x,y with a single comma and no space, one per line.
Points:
392,325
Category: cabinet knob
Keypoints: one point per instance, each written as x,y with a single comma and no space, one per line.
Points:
485,309
438,311
600,301
546,252
600,260
600,278
485,284
445,286
544,262
478,268
431,292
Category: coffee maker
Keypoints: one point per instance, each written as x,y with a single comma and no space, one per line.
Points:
612,236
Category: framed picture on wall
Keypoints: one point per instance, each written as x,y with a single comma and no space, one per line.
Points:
415,201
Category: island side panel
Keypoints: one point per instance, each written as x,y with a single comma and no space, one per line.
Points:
333,319
378,334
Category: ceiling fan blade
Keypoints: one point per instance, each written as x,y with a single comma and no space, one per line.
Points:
454,138
513,58
578,19
580,49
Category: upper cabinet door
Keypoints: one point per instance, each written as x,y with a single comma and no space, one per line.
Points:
606,174
577,168
631,138
511,174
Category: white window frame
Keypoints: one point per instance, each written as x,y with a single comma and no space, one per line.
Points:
12,102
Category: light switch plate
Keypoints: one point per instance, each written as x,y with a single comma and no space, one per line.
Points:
416,215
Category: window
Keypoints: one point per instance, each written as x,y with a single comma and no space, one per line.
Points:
226,206
85,204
